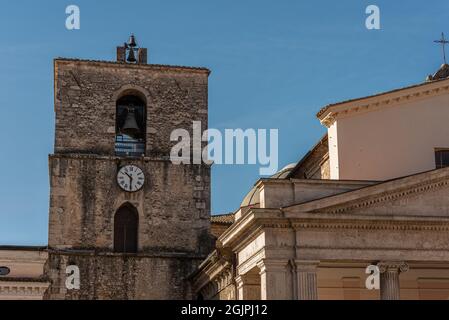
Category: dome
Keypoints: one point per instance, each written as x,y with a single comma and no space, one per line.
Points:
442,73
253,197
283,173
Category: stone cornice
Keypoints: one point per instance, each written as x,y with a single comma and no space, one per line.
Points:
374,222
249,223
271,181
214,274
141,255
115,64
96,157
23,290
329,114
376,194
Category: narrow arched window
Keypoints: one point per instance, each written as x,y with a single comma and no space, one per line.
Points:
130,126
126,225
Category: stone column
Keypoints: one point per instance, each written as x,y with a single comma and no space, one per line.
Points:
306,280
389,279
274,280
248,286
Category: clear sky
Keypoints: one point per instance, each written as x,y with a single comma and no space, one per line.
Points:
274,63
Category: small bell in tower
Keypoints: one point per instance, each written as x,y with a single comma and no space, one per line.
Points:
132,41
131,128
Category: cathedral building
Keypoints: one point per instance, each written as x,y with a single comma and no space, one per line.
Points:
373,192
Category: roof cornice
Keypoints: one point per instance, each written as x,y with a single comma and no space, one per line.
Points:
330,113
159,67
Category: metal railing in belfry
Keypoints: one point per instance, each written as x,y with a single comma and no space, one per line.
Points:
129,147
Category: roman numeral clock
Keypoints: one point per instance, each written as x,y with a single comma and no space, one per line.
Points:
131,178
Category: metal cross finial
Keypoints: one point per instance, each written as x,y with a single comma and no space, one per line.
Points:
443,43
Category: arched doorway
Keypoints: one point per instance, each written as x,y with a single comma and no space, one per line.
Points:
126,225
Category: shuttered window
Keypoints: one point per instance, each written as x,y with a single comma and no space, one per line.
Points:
442,158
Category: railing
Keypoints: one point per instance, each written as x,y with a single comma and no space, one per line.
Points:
124,146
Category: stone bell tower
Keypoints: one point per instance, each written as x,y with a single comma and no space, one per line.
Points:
135,224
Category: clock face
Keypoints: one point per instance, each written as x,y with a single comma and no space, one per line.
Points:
131,178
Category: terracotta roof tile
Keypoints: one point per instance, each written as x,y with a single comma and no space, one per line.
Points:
227,219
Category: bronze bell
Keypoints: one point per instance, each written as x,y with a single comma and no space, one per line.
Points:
131,56
131,128
132,41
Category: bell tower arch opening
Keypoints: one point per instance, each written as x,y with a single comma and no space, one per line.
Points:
130,128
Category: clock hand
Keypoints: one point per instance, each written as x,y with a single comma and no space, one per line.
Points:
130,178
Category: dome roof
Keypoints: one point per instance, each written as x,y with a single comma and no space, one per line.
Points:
253,197
442,73
283,173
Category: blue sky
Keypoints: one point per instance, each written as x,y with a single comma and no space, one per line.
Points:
274,63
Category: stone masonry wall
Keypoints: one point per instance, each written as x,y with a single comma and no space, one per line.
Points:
122,277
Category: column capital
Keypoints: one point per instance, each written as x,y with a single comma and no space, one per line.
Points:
393,266
272,265
306,265
247,279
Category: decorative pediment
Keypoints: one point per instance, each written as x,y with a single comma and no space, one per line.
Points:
425,194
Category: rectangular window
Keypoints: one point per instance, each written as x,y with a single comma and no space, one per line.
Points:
442,158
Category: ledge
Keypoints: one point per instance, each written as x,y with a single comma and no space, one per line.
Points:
22,248
169,255
160,67
329,114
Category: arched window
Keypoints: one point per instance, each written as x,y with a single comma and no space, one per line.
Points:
130,126
126,225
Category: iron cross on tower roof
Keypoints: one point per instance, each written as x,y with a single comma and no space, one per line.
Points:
443,43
